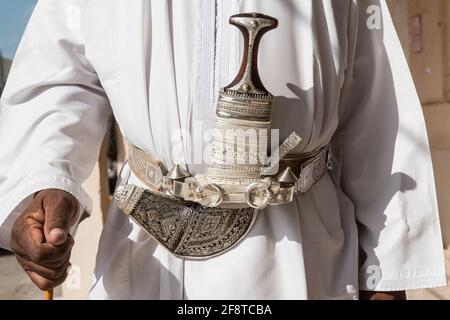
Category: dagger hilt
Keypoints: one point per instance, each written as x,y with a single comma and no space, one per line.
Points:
253,26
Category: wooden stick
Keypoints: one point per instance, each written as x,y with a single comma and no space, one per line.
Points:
48,295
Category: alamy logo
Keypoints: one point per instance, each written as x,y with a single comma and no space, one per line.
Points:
375,20
73,13
73,281
374,277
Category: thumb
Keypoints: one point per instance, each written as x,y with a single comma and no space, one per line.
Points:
60,213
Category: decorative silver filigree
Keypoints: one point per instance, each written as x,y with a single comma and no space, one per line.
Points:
313,171
186,229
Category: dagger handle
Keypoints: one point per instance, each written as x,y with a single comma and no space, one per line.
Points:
253,26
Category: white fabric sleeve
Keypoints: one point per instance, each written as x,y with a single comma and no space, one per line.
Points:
53,112
383,161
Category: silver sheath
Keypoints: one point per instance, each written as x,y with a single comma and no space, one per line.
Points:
186,229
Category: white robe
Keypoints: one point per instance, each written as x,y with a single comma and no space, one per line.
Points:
339,76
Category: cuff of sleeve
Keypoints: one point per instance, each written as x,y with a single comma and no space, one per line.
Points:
17,201
402,281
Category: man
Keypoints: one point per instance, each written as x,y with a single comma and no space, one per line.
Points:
339,76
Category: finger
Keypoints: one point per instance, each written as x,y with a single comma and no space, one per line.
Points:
54,263
44,283
28,241
47,254
27,232
60,213
44,271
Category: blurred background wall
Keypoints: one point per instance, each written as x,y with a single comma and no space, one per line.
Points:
424,30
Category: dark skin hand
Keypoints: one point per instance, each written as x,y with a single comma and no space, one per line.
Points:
398,295
40,237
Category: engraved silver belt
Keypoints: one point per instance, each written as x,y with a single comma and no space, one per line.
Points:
187,228
207,214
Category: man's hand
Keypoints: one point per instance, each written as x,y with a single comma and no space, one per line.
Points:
40,237
398,295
